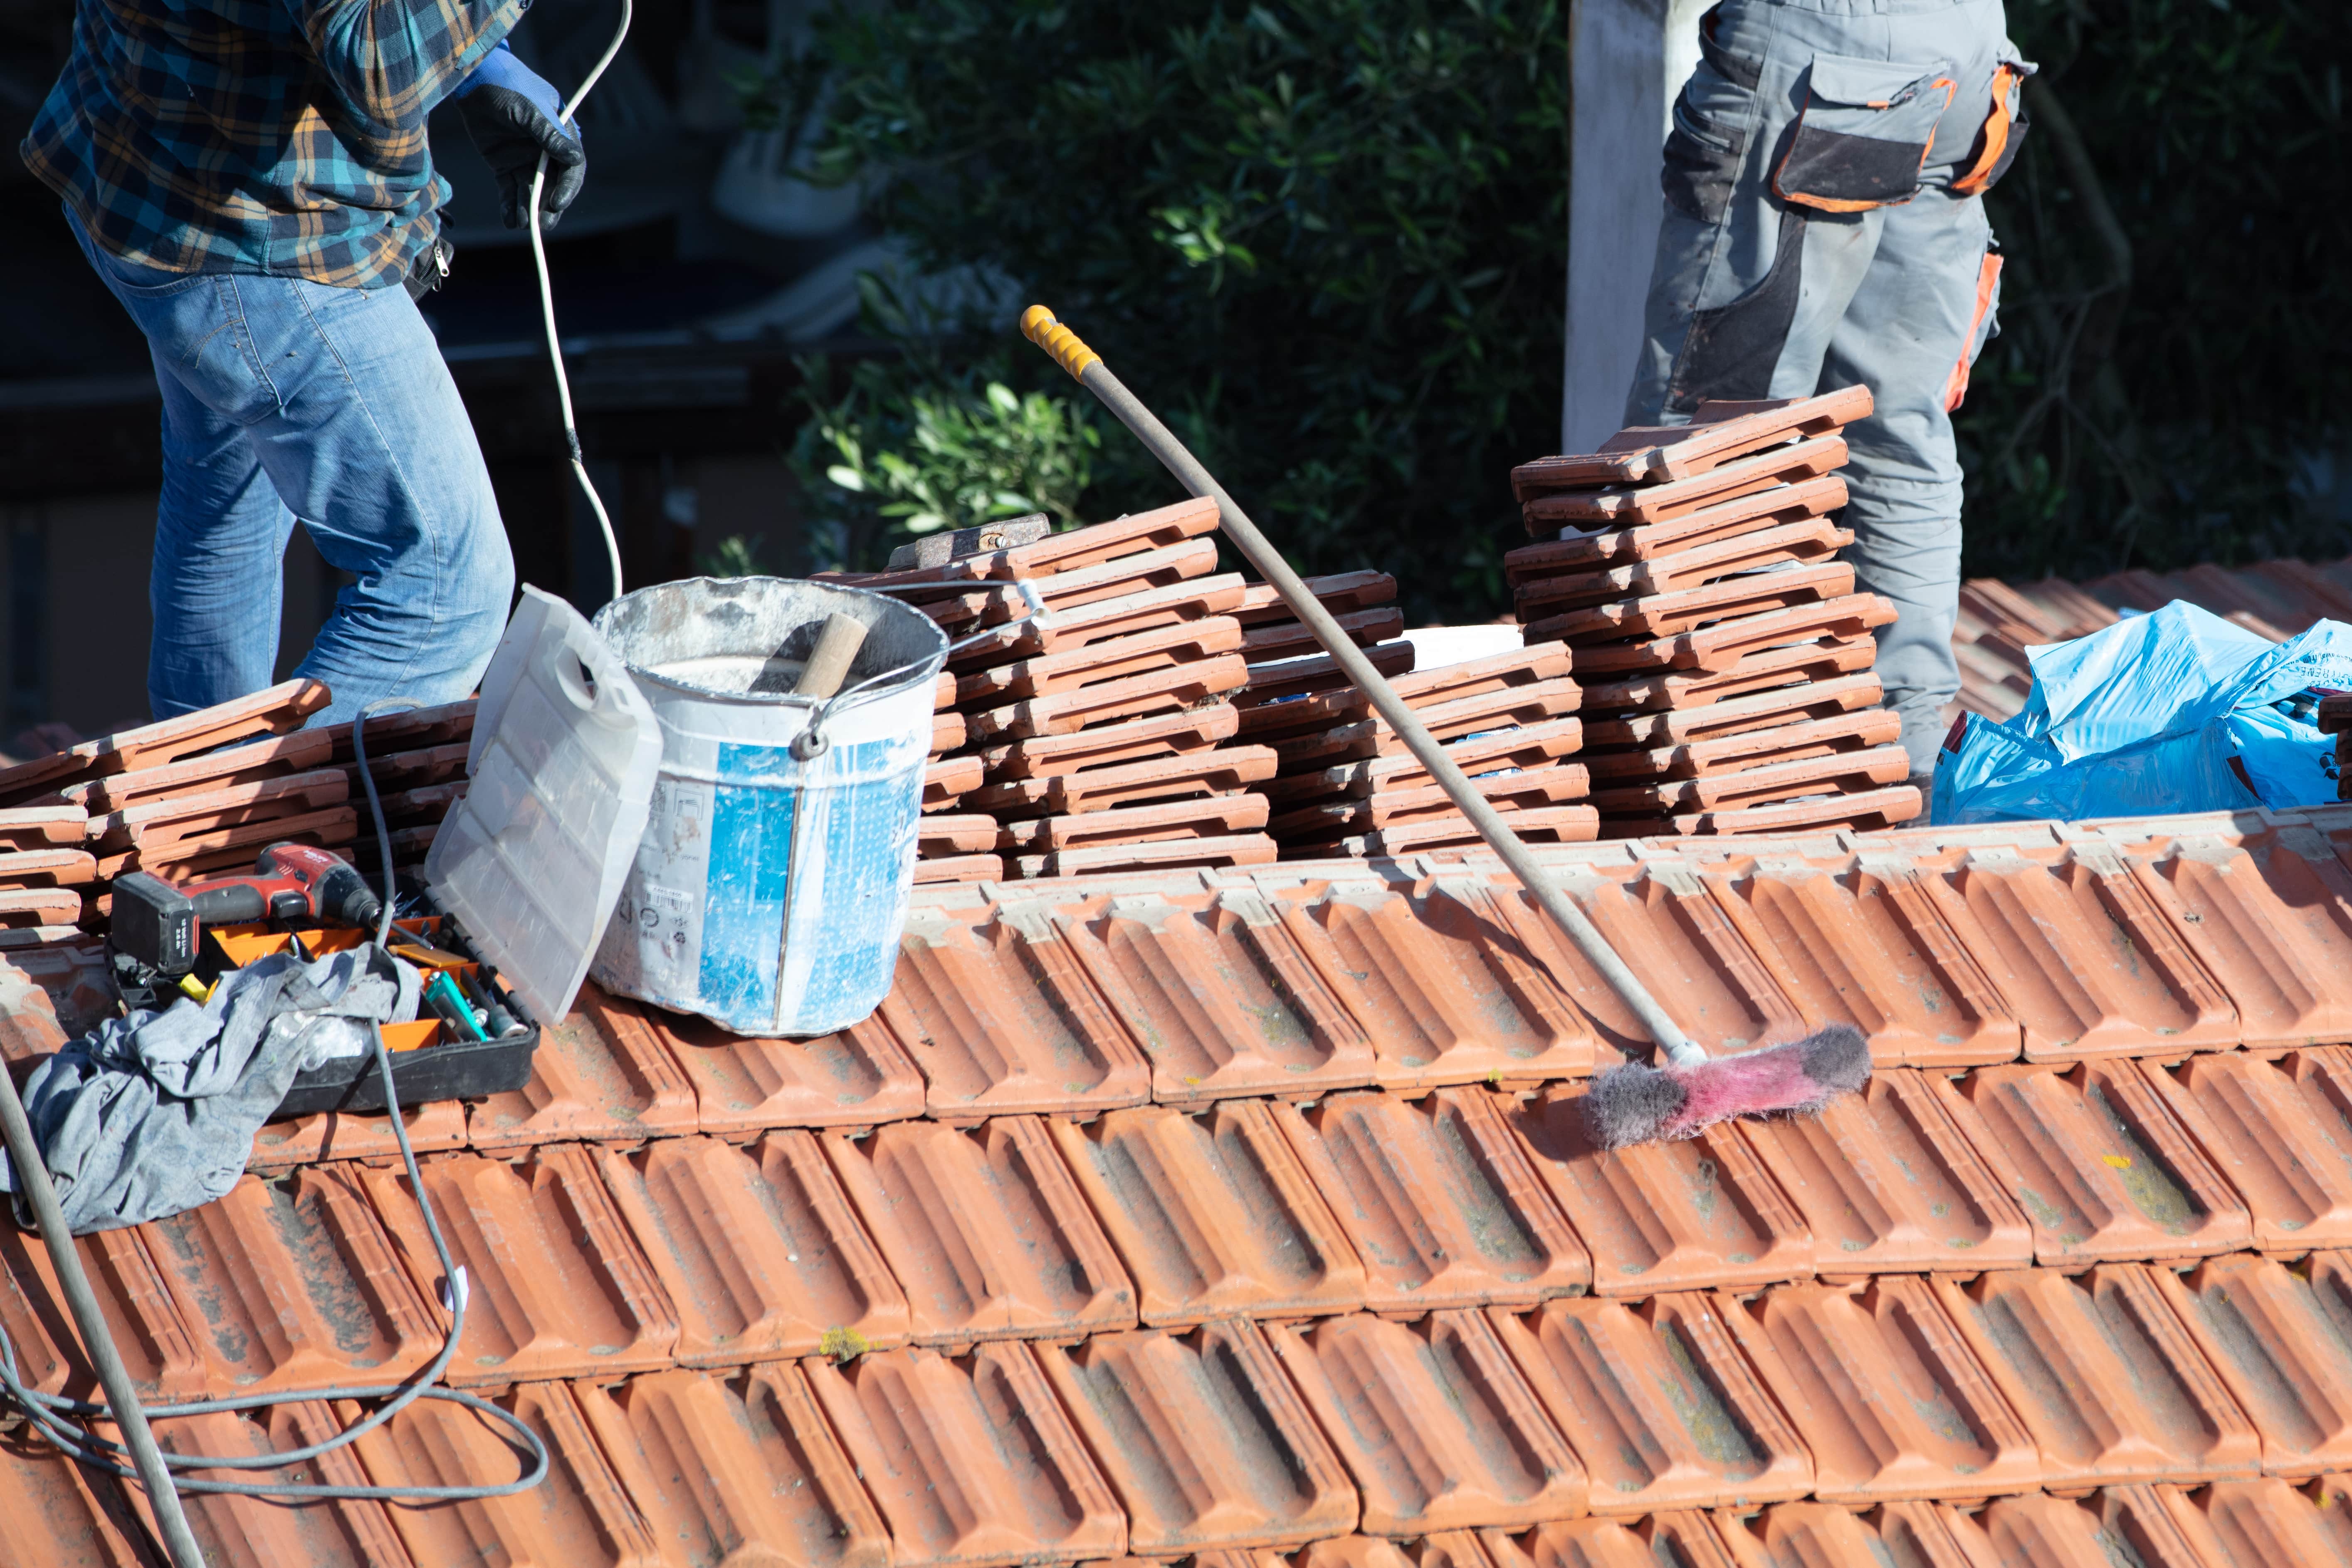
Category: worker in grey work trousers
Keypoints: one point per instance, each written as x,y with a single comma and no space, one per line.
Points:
1825,226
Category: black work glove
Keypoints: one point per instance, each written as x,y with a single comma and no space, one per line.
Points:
512,114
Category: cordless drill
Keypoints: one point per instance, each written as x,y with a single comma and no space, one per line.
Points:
160,925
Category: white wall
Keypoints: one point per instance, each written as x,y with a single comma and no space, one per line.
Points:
1627,59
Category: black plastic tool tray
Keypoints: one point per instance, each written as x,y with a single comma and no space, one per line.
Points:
454,1069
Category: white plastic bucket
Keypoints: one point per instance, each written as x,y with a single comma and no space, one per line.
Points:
770,886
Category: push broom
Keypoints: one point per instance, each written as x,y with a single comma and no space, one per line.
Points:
1685,1090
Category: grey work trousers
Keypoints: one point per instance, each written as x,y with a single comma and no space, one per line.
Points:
1825,226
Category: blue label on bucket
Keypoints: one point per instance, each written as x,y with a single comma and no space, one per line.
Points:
856,858
751,869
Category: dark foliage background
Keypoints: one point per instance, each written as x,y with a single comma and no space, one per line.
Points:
2169,384
1327,240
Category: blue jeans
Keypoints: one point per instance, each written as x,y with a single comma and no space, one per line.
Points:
286,401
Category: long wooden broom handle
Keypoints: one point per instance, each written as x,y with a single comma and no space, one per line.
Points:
1037,323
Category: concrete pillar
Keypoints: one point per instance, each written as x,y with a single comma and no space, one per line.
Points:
1627,61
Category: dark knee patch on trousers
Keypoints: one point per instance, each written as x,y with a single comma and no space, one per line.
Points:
1731,351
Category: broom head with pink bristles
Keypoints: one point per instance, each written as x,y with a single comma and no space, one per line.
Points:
1639,1104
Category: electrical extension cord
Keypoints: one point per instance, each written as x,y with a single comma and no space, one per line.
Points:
52,1413
547,310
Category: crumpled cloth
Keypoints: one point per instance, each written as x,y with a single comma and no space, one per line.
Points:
152,1114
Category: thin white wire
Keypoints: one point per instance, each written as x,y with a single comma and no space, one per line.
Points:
547,310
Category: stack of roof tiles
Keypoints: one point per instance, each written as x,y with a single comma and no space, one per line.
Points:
1348,786
1084,725
1244,1216
201,795
1724,652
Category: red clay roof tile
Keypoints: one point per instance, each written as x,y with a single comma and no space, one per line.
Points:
986,1231
735,1470
2277,1337
756,1249
1437,1427
2079,951
1677,1215
557,1287
1204,1439
2102,1372
1659,1404
2101,1167
328,1533
1863,945
970,1461
1887,1181
1001,1017
1445,990
1885,1393
1221,999
293,1285
1212,1215
2278,1133
595,1076
853,1078
1438,1199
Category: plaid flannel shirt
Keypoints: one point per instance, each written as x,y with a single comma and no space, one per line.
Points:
273,136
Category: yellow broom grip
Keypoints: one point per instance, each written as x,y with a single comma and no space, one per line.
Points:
1038,324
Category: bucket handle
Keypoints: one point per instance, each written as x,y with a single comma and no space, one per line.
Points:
811,743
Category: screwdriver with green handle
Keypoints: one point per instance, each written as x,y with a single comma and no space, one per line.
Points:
1686,1089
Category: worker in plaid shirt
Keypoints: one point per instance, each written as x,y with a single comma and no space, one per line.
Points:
251,180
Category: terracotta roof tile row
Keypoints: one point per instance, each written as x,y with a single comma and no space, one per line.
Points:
1252,1213
1699,561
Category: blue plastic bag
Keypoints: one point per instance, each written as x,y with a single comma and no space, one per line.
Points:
2180,711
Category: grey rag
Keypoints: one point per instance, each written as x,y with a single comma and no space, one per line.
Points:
153,1114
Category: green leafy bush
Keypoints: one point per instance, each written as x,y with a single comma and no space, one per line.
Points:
1325,241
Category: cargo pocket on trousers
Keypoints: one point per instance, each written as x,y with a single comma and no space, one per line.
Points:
1702,162
1732,350
1864,134
1983,327
2005,125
